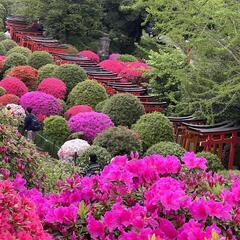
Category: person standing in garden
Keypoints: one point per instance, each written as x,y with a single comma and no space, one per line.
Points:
31,124
94,167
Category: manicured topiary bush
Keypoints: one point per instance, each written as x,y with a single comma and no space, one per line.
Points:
53,86
41,103
124,109
71,74
90,123
46,71
153,128
14,86
9,98
56,129
77,109
8,44
2,49
14,60
119,141
99,106
103,156
114,66
166,149
22,50
127,58
2,91
26,74
40,58
87,92
213,161
90,55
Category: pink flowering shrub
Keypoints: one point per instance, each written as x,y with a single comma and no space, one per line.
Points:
77,109
14,86
18,216
53,86
41,103
114,66
151,198
8,99
114,56
90,55
90,123
134,71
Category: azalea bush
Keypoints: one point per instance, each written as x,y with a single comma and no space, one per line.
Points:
127,58
26,74
124,109
2,91
2,49
71,149
71,74
77,109
46,71
14,86
41,103
150,198
119,141
88,92
114,66
17,111
2,60
14,60
90,123
39,58
90,55
9,98
7,117
53,86
8,44
154,128
22,50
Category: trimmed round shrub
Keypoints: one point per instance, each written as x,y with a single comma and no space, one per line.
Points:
99,106
41,103
77,109
40,58
56,128
46,71
8,44
14,86
9,98
90,123
119,141
26,74
154,128
90,55
127,58
2,49
14,60
2,91
124,109
53,86
77,135
103,156
2,36
112,66
22,50
166,149
213,161
88,92
71,74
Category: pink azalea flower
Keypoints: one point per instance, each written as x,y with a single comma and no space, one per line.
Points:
191,161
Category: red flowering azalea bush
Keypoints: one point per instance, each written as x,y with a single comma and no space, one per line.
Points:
151,198
90,123
14,86
77,109
53,86
26,74
18,216
90,55
134,71
41,103
114,66
9,98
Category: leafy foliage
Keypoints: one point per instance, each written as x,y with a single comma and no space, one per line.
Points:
39,58
22,50
8,44
127,58
46,71
14,60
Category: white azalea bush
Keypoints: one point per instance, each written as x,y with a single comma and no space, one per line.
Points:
71,148
17,111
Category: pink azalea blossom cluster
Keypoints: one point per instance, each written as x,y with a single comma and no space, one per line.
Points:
18,111
140,199
90,55
14,86
18,217
114,66
114,56
53,86
90,123
41,103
